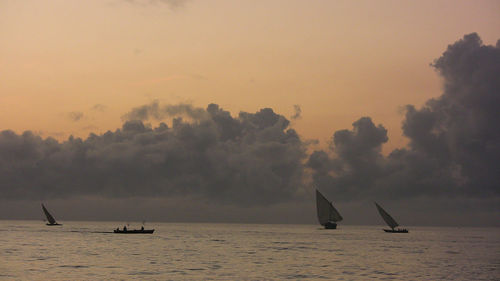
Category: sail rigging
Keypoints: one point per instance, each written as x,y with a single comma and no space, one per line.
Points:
387,218
326,211
50,218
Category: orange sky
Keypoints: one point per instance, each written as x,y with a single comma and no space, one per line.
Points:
338,60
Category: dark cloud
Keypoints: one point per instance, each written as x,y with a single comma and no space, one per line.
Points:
222,162
154,111
454,140
252,159
358,160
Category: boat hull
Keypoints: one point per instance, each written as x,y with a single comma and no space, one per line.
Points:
396,230
134,231
330,225
53,224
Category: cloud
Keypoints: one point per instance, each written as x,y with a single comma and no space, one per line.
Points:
99,107
154,111
251,159
454,142
298,112
75,116
256,161
172,4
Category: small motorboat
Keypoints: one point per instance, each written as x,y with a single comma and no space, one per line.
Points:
399,230
134,231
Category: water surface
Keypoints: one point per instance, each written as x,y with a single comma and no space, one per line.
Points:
29,250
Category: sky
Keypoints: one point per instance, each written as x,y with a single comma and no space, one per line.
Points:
240,107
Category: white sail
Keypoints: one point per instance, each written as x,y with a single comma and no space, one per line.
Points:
326,211
387,218
50,218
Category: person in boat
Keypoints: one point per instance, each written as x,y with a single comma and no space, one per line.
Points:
124,228
142,228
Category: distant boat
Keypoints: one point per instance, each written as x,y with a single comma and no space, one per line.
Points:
390,221
328,216
50,218
134,231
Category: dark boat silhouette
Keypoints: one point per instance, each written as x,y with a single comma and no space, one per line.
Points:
390,221
50,218
133,231
328,216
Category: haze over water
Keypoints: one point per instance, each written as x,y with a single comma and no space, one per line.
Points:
29,250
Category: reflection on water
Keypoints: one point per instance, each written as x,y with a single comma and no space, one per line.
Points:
88,250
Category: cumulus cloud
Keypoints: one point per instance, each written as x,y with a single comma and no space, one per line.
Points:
256,159
154,111
454,142
251,159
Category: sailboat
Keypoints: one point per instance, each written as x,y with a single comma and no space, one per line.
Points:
50,218
390,221
328,216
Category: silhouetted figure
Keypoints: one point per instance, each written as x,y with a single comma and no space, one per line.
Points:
142,227
124,228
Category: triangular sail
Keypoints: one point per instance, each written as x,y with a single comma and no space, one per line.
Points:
326,211
334,214
387,218
50,218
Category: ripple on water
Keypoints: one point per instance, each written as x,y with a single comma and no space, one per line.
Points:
299,276
378,272
74,266
218,240
10,250
177,271
40,258
281,248
143,273
215,266
221,253
306,248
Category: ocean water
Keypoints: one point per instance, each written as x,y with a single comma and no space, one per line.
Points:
29,250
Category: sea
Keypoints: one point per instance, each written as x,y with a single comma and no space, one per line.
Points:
80,250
